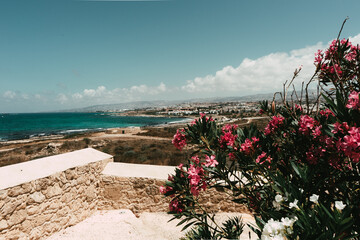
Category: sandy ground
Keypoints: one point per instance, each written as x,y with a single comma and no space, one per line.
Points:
124,225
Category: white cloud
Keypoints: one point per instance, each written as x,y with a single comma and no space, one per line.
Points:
150,90
62,98
103,95
355,40
9,94
264,74
94,92
77,96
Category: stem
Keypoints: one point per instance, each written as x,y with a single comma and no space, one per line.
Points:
342,26
207,215
307,93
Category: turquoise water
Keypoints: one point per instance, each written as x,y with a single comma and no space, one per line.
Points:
27,125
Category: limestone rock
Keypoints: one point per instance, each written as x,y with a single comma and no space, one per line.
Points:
40,220
31,210
17,217
42,184
3,194
16,191
37,197
53,191
3,225
36,233
16,235
90,193
10,207
26,226
70,174
55,205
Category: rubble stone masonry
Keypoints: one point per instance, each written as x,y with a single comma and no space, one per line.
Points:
142,195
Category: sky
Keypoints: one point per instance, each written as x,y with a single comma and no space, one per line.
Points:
57,55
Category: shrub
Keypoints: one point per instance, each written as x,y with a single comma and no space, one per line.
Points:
299,175
87,141
118,150
129,154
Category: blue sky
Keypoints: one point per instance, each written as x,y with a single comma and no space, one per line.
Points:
64,54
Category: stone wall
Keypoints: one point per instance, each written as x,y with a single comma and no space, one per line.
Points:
44,196
41,207
142,195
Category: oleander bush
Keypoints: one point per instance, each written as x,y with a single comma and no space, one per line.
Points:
299,175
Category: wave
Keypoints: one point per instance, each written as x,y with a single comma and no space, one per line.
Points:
74,130
181,121
80,130
37,135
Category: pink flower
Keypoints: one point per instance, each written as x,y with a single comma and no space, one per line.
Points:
274,123
211,161
193,122
179,139
350,144
195,174
306,123
261,156
194,191
298,107
340,127
248,146
180,166
317,131
203,115
204,186
326,113
229,127
162,189
175,206
228,139
195,159
318,57
232,156
353,102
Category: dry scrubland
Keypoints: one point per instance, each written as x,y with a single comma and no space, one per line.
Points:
151,145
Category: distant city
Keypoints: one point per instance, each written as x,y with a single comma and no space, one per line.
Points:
240,106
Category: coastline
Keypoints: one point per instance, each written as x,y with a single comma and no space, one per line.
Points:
55,134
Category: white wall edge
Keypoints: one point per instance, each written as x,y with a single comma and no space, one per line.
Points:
138,170
20,173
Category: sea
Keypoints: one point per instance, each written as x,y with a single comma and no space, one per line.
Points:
15,126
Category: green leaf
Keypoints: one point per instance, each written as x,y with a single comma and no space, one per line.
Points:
327,212
182,221
296,168
188,225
